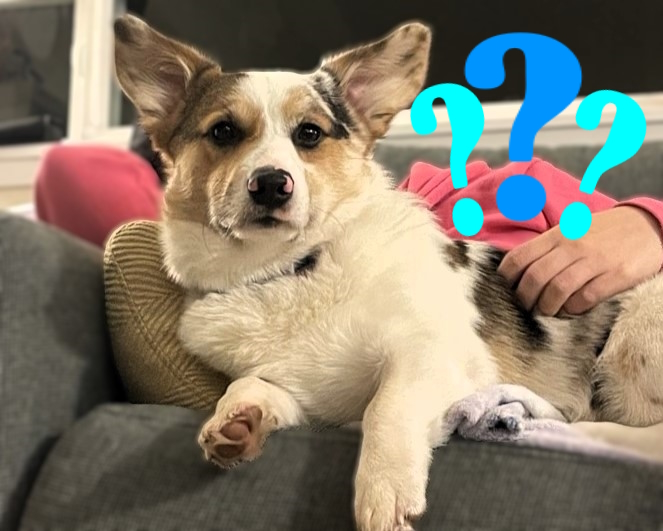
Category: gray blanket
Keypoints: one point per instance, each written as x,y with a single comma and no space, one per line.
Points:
511,413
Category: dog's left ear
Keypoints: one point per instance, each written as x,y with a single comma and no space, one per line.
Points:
382,78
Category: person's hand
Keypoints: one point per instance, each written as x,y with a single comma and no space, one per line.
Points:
621,249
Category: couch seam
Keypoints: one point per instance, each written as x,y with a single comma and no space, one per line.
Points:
530,453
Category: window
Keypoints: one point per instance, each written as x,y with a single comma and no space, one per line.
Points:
35,45
63,81
612,39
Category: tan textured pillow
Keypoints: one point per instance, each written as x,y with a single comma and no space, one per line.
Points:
143,307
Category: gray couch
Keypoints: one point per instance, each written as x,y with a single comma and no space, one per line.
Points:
75,455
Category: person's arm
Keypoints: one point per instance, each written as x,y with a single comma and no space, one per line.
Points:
563,189
435,186
650,205
622,248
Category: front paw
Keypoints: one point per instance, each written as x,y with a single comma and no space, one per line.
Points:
235,435
389,500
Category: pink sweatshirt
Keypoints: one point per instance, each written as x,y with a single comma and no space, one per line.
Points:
435,186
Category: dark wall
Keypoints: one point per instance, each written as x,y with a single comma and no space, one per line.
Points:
619,42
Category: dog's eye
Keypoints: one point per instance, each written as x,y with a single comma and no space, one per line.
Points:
224,133
307,136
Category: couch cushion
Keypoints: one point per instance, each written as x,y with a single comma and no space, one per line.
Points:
89,190
143,307
55,361
641,175
138,467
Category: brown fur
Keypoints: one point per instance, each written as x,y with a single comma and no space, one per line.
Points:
300,106
456,255
158,74
361,67
193,154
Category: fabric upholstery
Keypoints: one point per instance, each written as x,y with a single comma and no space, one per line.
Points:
138,468
55,362
143,308
641,175
90,190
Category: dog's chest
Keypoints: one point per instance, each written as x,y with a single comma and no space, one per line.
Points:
301,332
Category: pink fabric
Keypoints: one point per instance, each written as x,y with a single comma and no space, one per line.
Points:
90,190
435,186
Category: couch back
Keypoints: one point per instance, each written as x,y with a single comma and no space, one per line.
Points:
641,175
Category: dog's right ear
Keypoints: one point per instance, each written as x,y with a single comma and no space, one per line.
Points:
153,70
384,77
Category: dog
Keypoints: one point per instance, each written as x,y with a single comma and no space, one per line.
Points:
327,296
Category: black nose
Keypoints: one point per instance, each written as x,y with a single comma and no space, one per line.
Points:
270,187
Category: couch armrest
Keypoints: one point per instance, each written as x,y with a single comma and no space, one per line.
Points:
55,359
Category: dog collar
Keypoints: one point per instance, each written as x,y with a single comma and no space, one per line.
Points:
307,263
299,268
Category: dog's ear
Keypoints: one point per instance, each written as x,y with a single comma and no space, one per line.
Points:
382,78
153,70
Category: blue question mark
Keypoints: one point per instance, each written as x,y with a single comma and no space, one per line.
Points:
624,140
552,82
467,120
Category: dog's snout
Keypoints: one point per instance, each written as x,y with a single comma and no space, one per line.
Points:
270,187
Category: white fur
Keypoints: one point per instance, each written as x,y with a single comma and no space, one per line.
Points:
381,330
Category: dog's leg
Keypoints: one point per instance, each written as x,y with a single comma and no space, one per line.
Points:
628,377
249,411
399,428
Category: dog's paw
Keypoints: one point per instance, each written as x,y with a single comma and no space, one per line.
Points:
234,436
383,503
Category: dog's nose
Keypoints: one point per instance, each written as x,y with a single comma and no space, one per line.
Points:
270,187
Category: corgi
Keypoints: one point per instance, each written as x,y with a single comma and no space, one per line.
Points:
327,296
